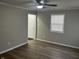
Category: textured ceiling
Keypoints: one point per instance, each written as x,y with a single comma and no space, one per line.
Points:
62,4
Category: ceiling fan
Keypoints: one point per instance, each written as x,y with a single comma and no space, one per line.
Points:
43,3
40,3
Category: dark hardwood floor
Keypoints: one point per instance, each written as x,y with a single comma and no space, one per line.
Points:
42,50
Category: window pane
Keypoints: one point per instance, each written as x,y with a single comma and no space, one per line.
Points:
57,28
58,19
57,23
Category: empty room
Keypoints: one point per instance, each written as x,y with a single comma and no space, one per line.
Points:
39,29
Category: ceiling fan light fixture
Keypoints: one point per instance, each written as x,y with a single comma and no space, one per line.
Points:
42,1
40,6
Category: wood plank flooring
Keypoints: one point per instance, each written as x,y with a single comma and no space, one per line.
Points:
41,50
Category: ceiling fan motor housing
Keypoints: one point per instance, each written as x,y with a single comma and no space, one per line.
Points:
41,2
44,3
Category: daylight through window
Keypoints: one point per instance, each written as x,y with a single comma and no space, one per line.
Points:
57,23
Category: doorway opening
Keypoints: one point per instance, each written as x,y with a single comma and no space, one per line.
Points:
31,26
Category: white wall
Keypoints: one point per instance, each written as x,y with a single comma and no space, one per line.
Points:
71,28
31,25
13,27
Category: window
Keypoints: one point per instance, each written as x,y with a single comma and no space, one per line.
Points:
57,23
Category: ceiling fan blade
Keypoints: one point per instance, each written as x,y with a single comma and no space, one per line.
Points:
38,1
51,5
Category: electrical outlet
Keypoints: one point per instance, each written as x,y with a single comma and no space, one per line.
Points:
9,43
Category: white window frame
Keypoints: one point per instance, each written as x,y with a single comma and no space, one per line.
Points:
54,27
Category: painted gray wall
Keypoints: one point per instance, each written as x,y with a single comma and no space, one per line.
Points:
71,28
32,12
13,27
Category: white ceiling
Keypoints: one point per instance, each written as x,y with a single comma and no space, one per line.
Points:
62,4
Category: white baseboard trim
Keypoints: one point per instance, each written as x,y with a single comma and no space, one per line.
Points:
59,44
13,48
